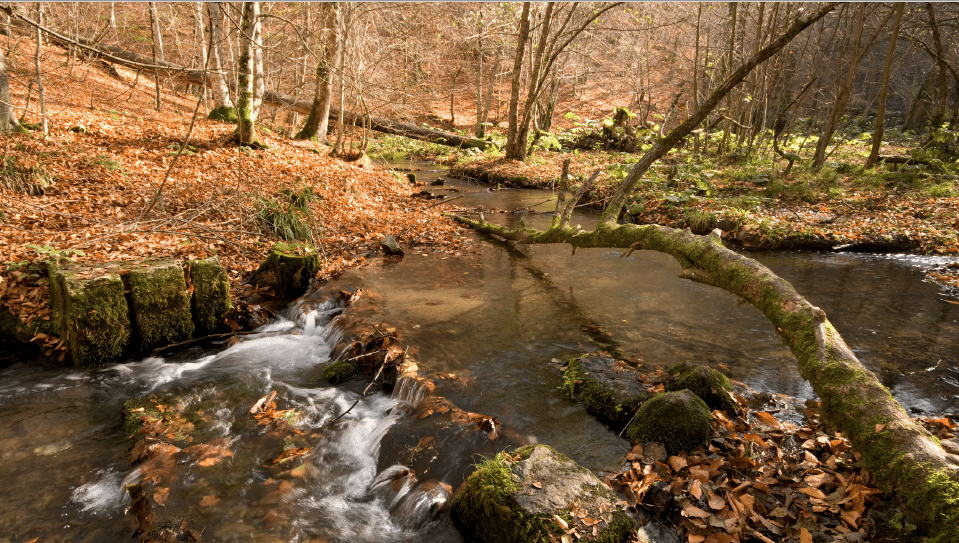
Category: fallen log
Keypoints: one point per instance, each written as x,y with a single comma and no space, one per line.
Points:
136,61
907,460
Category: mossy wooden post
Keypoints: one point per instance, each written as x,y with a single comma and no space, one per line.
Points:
906,459
90,311
159,303
211,294
288,269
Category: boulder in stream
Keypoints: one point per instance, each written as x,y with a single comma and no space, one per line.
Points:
710,385
536,494
288,269
609,388
680,421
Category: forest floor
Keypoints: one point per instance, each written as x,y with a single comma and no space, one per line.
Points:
83,191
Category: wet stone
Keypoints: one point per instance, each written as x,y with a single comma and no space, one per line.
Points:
609,388
710,385
517,497
681,421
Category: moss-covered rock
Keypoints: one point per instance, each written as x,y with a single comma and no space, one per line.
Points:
90,309
211,294
609,388
710,385
159,303
288,269
338,372
679,420
513,498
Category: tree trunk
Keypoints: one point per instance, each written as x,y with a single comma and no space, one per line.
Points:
223,107
201,41
40,92
317,123
730,47
245,76
259,74
884,88
157,44
513,116
8,121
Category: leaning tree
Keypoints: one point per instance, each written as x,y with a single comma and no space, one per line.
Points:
906,459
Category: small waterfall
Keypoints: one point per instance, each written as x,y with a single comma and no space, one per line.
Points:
411,391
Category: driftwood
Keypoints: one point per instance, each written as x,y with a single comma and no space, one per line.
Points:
135,61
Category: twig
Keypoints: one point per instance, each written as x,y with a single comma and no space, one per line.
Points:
199,339
443,202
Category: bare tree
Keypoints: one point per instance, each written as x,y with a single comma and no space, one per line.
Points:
246,75
884,87
317,123
223,107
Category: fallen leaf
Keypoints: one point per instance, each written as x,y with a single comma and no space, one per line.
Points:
161,495
804,536
209,501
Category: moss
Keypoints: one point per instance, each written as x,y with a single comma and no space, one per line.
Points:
487,509
678,420
135,411
338,372
288,269
211,294
92,314
225,114
611,394
710,385
159,304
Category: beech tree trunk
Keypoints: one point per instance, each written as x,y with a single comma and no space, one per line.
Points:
222,102
245,105
317,123
8,121
513,116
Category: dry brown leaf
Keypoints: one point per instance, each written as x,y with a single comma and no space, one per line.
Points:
768,419
676,463
715,502
804,536
160,496
209,501
691,511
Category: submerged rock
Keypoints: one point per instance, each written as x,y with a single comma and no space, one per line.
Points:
710,385
391,246
535,495
679,420
609,388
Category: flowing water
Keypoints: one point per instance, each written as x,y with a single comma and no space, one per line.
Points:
490,328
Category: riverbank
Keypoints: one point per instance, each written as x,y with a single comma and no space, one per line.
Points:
109,184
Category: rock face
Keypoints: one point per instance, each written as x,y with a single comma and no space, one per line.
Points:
711,386
678,420
609,388
288,269
517,498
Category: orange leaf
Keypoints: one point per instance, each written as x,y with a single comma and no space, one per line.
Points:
804,536
676,462
161,495
813,493
768,420
209,501
692,511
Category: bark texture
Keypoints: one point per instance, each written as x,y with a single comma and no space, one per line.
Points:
907,461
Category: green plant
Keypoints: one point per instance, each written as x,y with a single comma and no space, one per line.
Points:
109,163
31,180
287,222
175,147
941,190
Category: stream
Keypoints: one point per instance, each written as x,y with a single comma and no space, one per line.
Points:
491,329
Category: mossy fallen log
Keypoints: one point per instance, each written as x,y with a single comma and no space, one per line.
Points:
906,459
